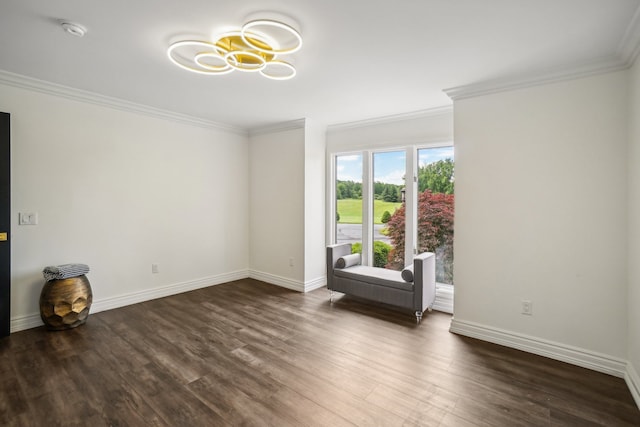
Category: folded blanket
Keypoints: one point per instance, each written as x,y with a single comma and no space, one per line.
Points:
64,271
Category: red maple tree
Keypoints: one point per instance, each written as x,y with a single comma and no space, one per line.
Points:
435,230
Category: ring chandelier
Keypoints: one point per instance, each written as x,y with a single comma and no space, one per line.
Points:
254,48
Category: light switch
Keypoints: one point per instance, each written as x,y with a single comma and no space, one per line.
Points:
28,218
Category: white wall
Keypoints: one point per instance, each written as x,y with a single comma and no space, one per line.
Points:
425,127
276,219
119,191
634,232
314,205
541,215
287,168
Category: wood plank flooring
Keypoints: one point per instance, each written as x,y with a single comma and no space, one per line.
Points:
248,353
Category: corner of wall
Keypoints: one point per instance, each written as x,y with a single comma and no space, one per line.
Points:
553,350
508,245
633,235
633,382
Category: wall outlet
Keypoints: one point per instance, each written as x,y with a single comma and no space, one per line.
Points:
154,268
290,262
527,307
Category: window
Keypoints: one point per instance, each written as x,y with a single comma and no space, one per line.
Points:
392,204
348,200
435,208
389,170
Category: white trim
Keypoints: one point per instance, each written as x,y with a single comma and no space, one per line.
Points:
330,199
488,87
34,320
411,168
368,189
312,285
178,288
422,114
629,46
278,127
444,298
284,282
25,322
633,382
393,144
29,83
553,350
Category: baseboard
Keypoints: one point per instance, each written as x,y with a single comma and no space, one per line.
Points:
553,350
312,285
165,291
20,323
284,282
633,382
444,298
33,320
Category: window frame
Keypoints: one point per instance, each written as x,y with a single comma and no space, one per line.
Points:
444,292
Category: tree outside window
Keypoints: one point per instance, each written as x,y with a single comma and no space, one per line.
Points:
435,219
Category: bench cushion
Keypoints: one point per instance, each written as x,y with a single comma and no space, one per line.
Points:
348,261
375,275
407,273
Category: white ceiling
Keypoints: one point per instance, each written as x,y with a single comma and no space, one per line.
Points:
360,59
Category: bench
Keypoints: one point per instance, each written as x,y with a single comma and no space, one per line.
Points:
413,288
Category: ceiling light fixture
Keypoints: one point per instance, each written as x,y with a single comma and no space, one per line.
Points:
256,47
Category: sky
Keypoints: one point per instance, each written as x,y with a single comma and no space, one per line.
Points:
388,167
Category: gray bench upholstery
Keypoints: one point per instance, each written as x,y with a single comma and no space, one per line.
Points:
383,285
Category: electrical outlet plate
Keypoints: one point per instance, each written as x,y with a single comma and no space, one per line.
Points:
527,307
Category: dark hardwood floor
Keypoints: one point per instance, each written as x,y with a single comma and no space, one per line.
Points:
248,353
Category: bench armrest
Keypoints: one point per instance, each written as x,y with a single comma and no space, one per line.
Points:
424,280
333,253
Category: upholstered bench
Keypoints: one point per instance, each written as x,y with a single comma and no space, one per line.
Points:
413,288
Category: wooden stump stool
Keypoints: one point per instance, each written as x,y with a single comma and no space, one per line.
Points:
65,303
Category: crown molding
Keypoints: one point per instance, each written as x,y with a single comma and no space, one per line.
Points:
42,86
625,56
488,87
414,115
629,46
278,127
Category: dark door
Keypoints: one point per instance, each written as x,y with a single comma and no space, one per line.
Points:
5,226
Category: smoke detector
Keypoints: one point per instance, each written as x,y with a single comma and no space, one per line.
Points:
73,28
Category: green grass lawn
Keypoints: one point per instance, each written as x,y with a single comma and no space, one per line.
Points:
350,210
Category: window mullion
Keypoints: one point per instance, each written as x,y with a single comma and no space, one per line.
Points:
411,211
332,179
367,208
